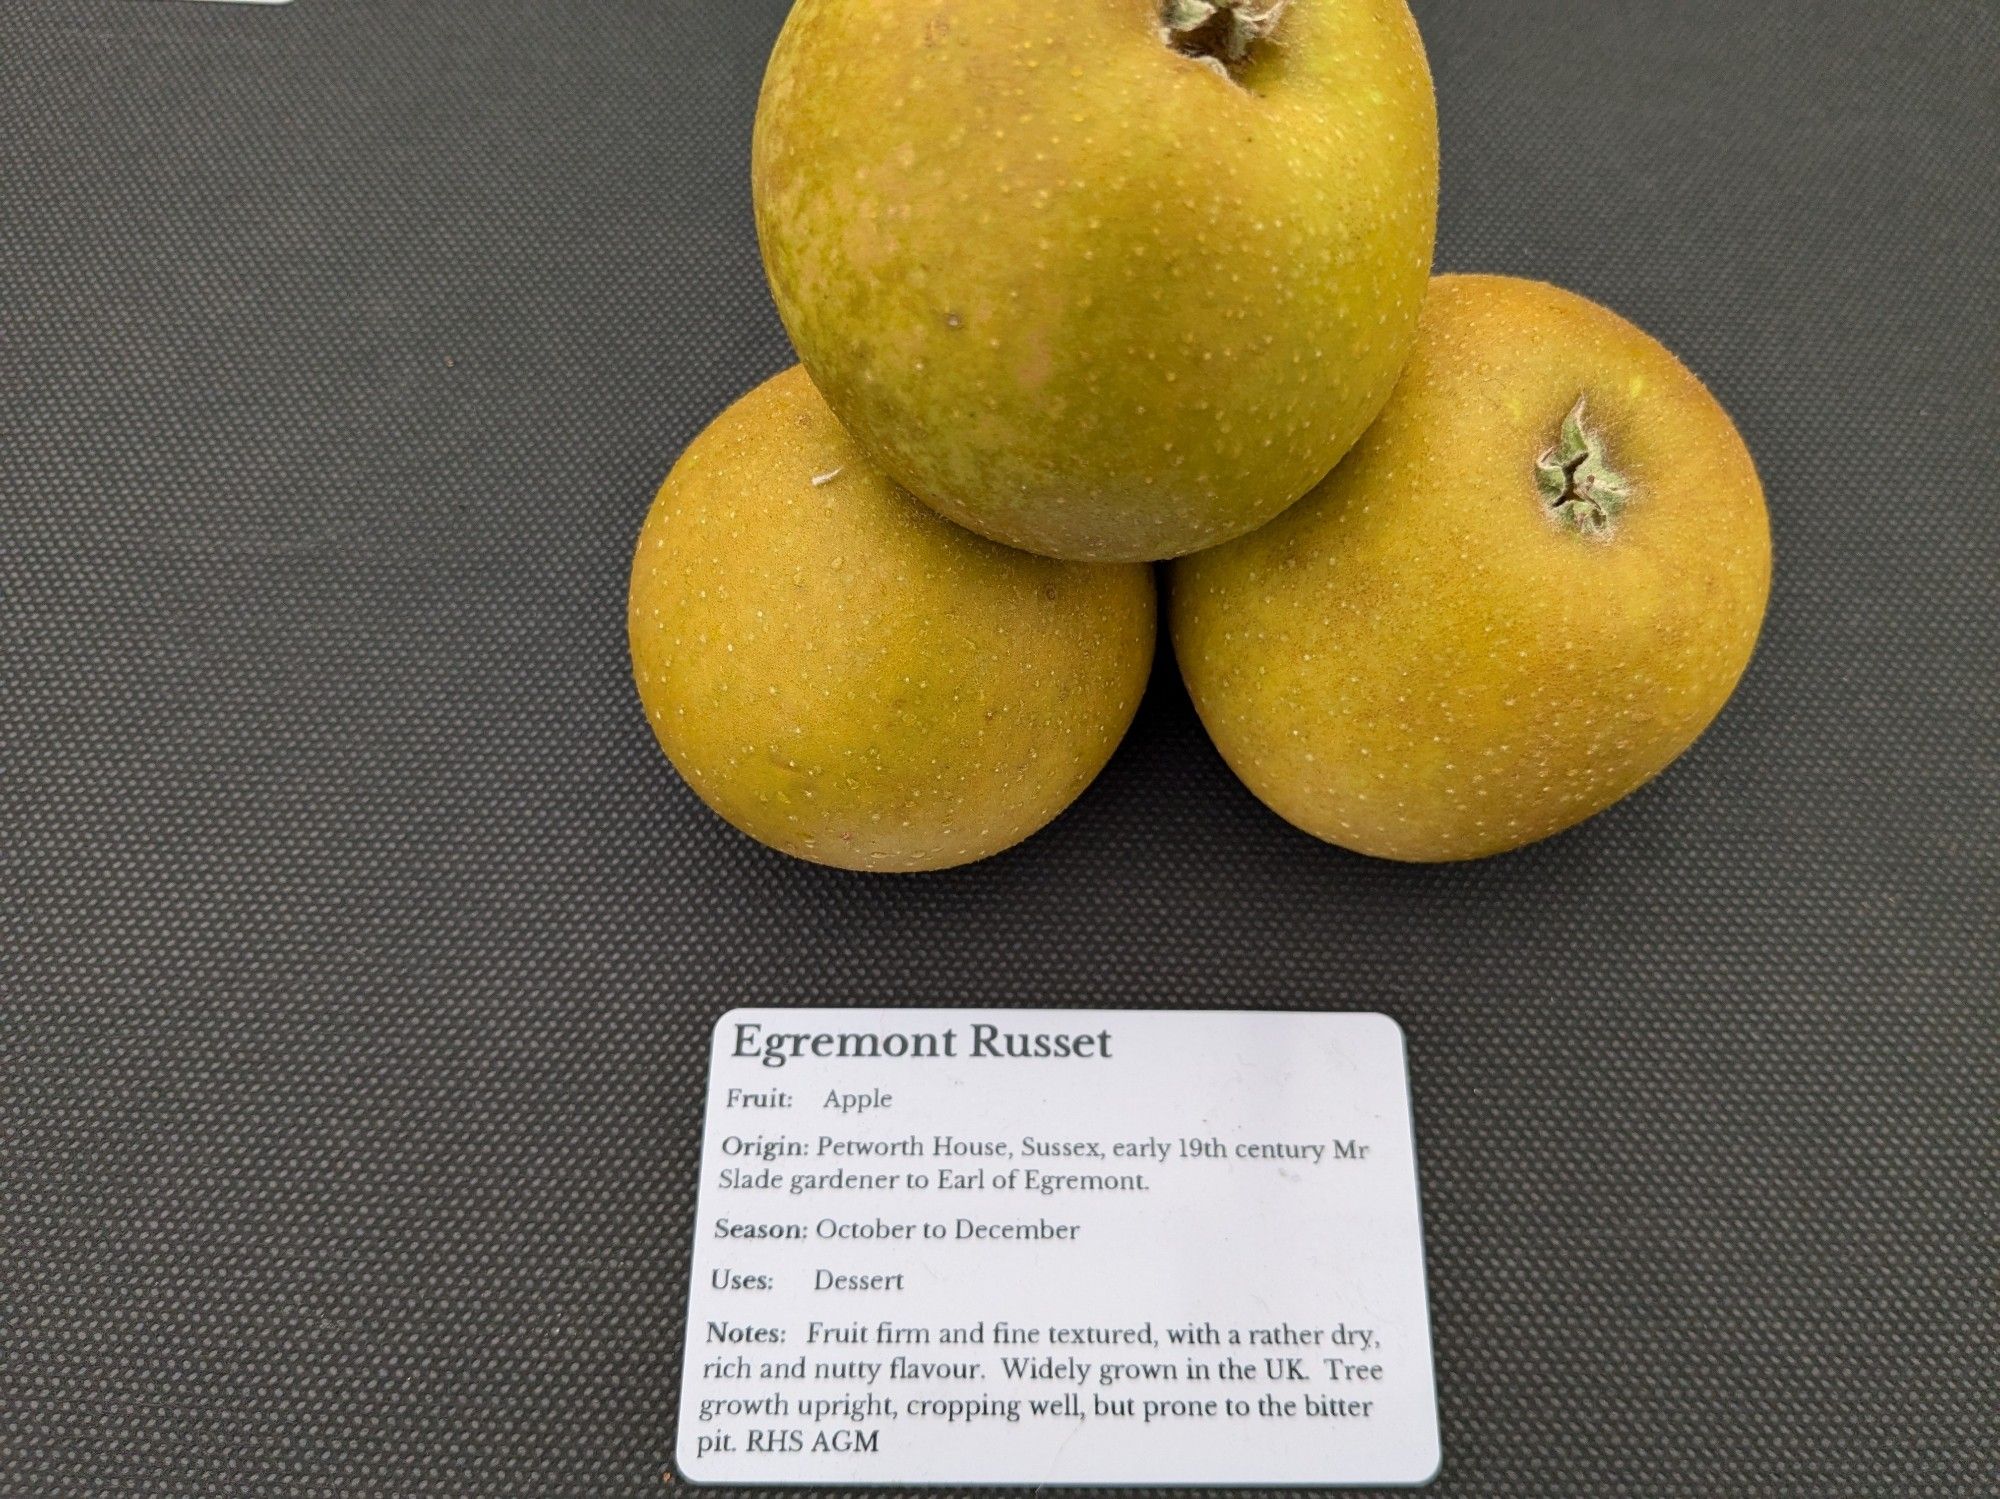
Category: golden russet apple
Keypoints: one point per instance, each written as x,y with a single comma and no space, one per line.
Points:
1104,279
849,678
1529,588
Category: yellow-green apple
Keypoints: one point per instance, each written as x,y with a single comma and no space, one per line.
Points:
846,676
1104,279
1529,588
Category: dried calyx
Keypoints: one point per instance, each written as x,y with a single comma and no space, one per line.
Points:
1583,490
1220,33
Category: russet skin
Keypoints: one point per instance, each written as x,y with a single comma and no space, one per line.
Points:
1527,590
1080,290
849,678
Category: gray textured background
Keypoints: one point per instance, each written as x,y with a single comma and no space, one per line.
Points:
359,947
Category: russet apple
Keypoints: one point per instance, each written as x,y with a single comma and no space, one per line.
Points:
851,679
1103,279
1530,587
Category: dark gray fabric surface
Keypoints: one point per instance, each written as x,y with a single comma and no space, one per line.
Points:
359,947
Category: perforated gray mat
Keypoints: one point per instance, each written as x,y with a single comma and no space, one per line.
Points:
359,947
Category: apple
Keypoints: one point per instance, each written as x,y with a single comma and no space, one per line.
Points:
849,678
1528,589
1103,279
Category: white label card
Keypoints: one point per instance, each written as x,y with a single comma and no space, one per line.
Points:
1044,1247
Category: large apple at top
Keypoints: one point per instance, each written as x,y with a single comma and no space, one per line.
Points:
1104,279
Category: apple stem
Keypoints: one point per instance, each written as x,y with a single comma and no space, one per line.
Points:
1218,33
1583,490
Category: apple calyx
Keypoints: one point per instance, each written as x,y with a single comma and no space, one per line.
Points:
1583,490
1220,34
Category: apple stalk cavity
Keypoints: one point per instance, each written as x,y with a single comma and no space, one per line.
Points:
1220,33
1583,490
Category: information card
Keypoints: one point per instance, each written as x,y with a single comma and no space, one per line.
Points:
1027,1247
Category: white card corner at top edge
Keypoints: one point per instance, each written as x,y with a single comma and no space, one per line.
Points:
1074,1248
